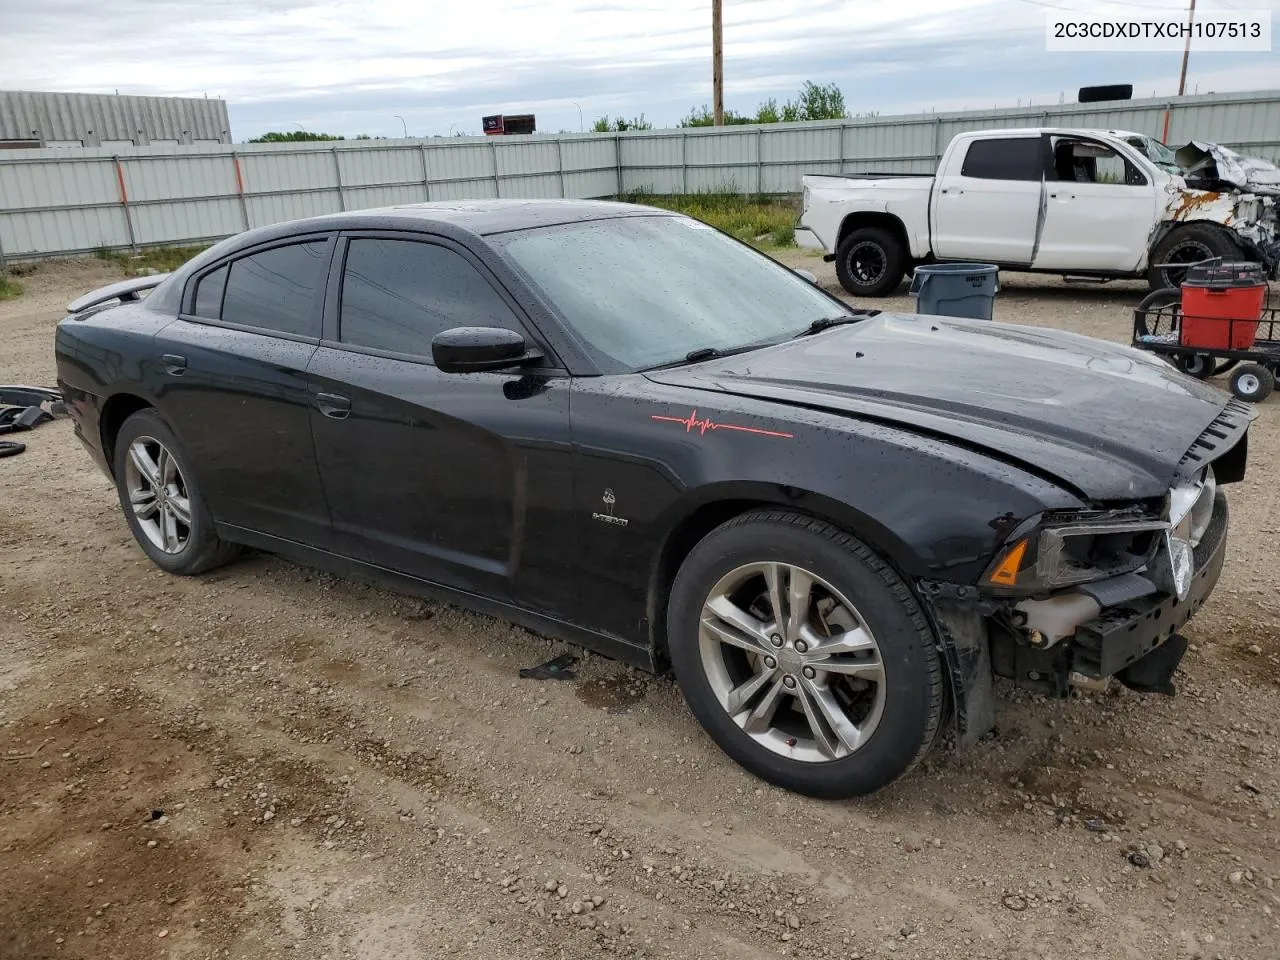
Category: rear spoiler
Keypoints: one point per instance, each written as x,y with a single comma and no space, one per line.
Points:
124,291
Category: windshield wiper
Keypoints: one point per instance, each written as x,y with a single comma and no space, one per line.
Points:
826,323
708,353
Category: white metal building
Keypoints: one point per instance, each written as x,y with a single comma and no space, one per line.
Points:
30,119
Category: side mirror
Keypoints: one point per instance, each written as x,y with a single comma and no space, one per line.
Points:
806,274
471,349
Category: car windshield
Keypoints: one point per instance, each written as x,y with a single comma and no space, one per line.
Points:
1156,152
646,291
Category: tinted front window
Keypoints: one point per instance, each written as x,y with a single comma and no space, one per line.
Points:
1012,158
209,294
643,291
276,289
398,294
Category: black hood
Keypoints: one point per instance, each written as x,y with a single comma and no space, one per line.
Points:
1108,421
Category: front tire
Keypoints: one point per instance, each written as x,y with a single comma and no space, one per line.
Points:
804,655
161,500
870,262
1184,245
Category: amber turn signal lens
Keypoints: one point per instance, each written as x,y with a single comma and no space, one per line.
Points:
1006,573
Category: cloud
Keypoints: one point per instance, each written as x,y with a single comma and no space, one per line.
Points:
348,66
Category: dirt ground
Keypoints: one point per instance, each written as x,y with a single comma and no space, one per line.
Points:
270,762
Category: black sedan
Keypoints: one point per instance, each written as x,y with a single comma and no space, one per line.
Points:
618,426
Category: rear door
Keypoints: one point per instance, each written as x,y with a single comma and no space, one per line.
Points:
989,208
1099,210
460,479
234,386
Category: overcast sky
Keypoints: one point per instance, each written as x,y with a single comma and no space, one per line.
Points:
350,66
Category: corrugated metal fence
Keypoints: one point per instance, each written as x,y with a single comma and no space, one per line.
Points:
75,201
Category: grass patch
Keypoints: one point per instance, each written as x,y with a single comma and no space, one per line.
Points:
164,259
762,221
9,288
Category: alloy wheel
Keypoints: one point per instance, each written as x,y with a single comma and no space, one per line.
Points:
158,494
867,262
792,662
1189,251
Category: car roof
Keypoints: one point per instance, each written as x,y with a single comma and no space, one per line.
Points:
1062,131
481,217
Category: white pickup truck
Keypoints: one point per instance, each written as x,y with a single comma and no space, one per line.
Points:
1082,203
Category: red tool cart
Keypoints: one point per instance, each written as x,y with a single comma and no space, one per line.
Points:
1218,321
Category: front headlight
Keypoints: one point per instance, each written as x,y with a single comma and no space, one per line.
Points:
1066,554
1063,553
1190,510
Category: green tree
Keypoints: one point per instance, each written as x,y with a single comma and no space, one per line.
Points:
813,102
819,102
294,136
619,124
703,117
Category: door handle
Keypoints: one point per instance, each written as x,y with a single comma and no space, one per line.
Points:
333,406
174,365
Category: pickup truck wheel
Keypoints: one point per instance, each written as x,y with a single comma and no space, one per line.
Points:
1189,244
804,655
870,262
162,503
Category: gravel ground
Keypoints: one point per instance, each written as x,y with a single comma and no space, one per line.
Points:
271,762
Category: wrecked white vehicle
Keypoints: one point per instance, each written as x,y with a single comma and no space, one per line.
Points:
1081,203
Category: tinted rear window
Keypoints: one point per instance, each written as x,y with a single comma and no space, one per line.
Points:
276,289
1004,159
398,294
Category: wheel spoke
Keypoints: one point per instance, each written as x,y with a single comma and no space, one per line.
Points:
168,530
734,626
831,728
866,669
180,507
741,695
166,468
761,718
146,466
857,640
799,586
144,503
774,575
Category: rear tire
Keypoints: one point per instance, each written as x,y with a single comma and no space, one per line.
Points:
161,499
848,692
871,262
1252,382
1188,244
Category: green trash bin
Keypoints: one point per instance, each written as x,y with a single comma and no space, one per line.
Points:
956,289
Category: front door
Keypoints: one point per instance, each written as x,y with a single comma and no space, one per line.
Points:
1099,210
460,479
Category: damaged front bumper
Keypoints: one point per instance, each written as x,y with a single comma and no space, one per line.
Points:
1134,639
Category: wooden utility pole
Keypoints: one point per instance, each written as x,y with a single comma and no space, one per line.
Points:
717,63
1186,51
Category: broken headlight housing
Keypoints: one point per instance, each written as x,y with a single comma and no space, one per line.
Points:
1083,548
1069,552
1190,510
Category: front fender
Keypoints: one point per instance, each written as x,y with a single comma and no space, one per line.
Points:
662,465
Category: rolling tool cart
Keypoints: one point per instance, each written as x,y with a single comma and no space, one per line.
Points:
1219,321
